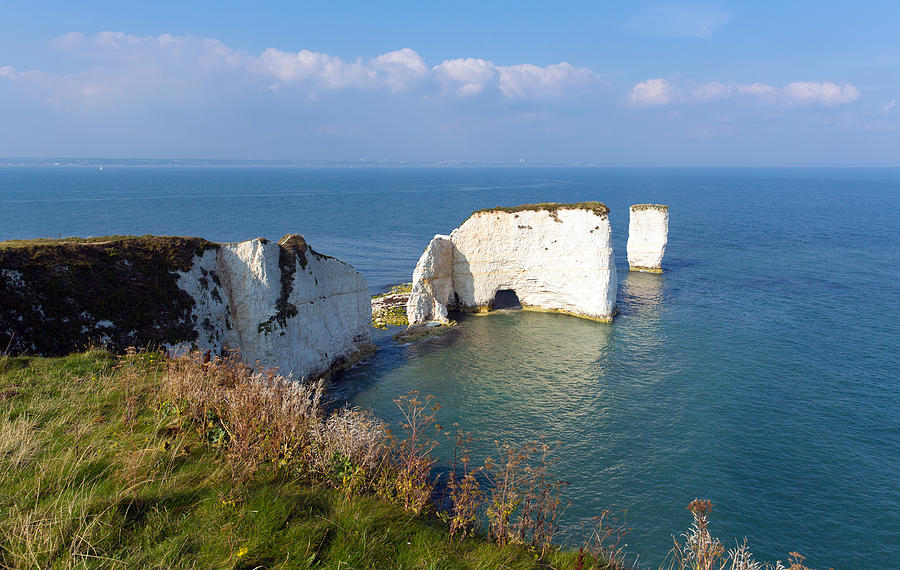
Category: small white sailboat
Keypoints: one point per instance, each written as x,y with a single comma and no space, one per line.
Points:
101,168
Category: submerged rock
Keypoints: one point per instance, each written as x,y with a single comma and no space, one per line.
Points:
554,257
648,234
280,304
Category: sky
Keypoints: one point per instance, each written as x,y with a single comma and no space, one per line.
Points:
612,83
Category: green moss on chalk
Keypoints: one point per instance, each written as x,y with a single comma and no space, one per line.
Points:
400,289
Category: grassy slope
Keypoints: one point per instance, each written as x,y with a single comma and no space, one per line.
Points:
94,471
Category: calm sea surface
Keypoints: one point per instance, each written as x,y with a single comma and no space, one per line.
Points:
761,370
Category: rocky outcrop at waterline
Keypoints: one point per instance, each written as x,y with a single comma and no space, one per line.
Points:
553,257
648,234
389,308
280,304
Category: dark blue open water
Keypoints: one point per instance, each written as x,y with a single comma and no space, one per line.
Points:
761,370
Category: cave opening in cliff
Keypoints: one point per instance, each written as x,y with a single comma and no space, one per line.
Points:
506,299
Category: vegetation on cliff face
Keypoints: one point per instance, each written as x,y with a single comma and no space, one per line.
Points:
292,250
57,296
389,308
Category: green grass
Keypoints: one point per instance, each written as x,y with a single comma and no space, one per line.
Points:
13,243
598,208
96,470
639,207
399,289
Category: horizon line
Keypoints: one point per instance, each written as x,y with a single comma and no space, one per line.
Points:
68,161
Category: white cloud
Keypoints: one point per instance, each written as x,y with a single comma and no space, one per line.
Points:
826,93
320,69
652,92
532,81
885,109
401,69
761,91
712,91
663,92
131,62
467,76
68,41
8,71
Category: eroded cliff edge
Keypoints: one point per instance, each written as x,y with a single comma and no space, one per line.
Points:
554,257
280,304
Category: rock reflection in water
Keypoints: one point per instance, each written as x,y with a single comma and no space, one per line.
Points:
639,291
510,373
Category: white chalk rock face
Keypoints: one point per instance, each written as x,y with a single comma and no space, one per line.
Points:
648,234
281,305
555,257
432,283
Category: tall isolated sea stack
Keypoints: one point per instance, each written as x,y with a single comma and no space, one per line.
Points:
648,233
552,257
280,304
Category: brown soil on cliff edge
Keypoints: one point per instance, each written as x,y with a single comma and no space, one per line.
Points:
60,295
639,207
597,208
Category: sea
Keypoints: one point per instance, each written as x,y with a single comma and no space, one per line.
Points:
760,371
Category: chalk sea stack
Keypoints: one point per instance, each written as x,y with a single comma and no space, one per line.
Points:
648,234
552,257
280,304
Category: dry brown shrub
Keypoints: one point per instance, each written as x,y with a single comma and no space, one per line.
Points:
351,448
256,418
605,541
702,551
270,419
466,496
525,502
414,460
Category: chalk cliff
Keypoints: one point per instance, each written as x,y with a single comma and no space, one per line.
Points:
432,288
648,234
281,304
555,257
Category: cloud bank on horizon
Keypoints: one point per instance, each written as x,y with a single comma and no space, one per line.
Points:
659,91
117,59
113,93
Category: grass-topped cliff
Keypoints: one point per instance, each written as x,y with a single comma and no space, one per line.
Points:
639,207
60,295
597,208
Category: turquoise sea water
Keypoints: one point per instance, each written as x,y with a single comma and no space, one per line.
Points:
761,370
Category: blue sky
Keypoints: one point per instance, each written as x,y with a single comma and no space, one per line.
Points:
718,83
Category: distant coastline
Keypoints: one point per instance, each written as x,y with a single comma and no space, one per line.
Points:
94,162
